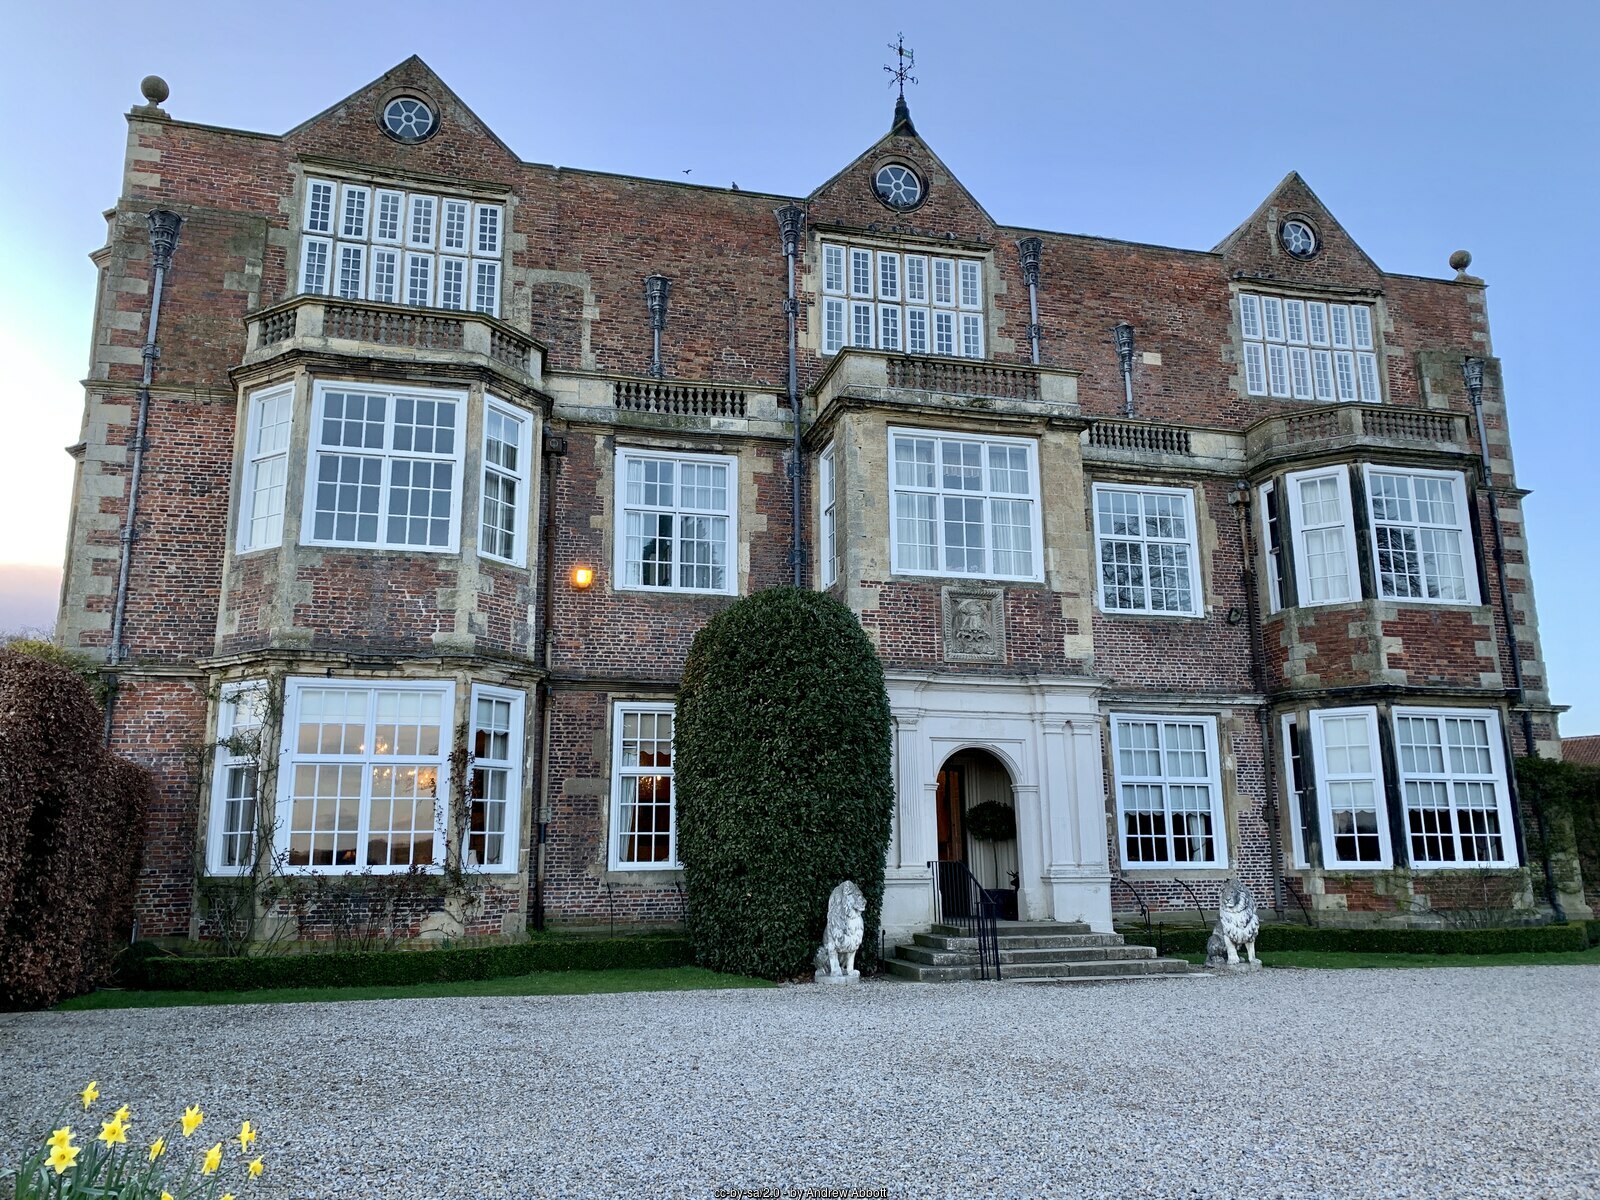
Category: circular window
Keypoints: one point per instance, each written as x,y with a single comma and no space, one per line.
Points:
898,186
1298,238
409,119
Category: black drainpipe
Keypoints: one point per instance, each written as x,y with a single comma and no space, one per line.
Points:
1258,677
791,217
164,228
1472,371
554,449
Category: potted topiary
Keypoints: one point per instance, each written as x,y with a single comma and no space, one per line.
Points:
994,822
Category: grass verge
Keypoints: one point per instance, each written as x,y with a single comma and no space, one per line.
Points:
540,983
1345,960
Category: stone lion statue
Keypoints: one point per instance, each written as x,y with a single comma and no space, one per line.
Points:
836,957
1237,925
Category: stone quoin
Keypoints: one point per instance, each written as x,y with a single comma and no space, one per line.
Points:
1215,596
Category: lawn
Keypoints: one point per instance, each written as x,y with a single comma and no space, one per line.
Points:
1342,960
541,983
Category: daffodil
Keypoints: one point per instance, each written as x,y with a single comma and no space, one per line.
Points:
213,1160
227,1196
247,1135
113,1133
166,1196
91,1093
192,1116
256,1167
158,1148
122,1114
61,1137
62,1157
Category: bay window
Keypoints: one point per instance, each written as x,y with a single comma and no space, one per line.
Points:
1324,551
1350,792
493,816
1420,534
1169,792
236,778
503,528
827,519
963,505
266,468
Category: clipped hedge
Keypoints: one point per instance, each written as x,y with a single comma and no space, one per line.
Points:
72,819
1529,939
782,780
147,969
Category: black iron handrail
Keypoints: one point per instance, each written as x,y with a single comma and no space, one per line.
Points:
1144,911
1293,889
960,900
1193,895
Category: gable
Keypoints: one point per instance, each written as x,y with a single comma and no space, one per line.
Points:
461,147
849,199
1255,249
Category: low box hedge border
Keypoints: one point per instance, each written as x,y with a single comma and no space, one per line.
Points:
1528,939
148,969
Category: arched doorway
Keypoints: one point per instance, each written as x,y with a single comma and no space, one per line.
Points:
976,819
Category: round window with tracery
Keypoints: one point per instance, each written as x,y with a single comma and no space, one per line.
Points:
408,119
898,186
1298,238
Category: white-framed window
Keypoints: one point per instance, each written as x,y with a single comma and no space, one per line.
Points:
266,468
503,525
1169,791
880,299
364,774
964,505
1296,780
644,834
1148,553
1421,534
1350,793
676,530
1453,782
385,468
236,779
494,819
1325,568
1308,349
827,519
350,241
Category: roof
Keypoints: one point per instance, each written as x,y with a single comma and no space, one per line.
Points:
1582,750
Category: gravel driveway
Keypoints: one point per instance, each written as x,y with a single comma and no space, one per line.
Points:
1441,1082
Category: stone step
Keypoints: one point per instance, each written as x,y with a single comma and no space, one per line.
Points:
1063,941
951,958
1040,972
1016,928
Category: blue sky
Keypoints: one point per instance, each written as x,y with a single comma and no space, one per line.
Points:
1425,127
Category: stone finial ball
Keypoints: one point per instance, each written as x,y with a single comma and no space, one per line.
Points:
155,88
1460,260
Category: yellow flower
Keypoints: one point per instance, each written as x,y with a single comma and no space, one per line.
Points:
192,1116
158,1148
227,1196
91,1093
122,1114
62,1157
61,1137
113,1133
213,1160
166,1196
256,1167
246,1136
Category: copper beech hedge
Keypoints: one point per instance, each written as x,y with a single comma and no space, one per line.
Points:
72,818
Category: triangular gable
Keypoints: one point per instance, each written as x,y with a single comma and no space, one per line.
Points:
848,198
1255,248
463,146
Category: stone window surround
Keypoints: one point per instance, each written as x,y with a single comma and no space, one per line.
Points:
1202,534
731,563
1221,839
1234,352
617,870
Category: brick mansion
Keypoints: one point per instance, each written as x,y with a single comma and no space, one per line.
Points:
409,469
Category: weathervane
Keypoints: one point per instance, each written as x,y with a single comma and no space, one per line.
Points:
901,74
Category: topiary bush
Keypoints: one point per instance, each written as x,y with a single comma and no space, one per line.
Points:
72,820
781,752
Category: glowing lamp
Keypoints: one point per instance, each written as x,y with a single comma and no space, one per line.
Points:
582,577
